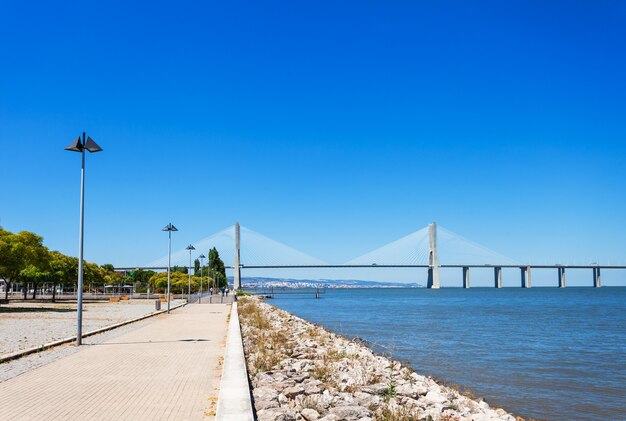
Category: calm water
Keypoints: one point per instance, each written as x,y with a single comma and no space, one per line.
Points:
548,353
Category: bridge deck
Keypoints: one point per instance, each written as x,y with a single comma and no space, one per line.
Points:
166,370
374,266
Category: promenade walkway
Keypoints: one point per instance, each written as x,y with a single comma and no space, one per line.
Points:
167,370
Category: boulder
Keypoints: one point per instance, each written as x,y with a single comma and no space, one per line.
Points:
275,415
351,412
435,397
265,394
309,414
411,391
292,392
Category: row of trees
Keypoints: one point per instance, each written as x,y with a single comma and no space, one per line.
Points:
214,276
26,264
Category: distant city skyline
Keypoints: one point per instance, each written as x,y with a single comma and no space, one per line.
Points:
333,128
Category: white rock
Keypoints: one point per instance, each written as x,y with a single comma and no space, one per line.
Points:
309,414
435,397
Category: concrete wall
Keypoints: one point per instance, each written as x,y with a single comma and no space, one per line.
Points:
234,402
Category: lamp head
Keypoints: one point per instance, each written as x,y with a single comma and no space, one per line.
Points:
75,146
92,146
190,247
169,227
78,146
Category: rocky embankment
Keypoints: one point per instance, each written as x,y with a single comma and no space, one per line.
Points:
300,371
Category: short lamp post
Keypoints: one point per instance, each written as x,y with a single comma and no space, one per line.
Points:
79,145
169,228
190,248
201,257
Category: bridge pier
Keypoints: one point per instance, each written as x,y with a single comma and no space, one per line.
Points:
525,276
497,277
561,277
597,281
466,282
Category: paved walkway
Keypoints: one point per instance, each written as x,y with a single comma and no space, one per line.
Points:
167,370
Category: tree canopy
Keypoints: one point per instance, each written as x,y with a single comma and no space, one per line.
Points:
217,270
24,259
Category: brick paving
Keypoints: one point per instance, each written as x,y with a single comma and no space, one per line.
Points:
166,370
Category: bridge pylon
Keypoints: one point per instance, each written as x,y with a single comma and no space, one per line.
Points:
237,277
433,261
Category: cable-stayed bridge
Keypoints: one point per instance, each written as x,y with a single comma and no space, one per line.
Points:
429,248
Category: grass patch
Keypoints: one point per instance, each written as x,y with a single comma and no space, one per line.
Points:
399,414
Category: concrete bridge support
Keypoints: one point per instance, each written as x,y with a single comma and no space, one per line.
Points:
497,277
466,283
597,281
237,276
525,276
433,261
561,277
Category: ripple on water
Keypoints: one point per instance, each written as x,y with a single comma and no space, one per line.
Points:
542,352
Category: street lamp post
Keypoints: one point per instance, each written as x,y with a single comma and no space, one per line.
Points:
201,257
190,248
79,145
169,228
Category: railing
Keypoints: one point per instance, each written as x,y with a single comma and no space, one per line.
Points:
208,298
271,292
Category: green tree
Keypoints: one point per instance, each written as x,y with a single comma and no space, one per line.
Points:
108,267
63,270
9,265
217,269
142,276
17,253
179,269
178,282
35,275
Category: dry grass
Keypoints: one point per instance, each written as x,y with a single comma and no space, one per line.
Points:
250,313
397,414
312,403
269,346
265,361
322,372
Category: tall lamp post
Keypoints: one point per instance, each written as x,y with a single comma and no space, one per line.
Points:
169,228
201,257
190,248
79,145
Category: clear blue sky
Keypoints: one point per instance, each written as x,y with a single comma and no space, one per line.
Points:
334,128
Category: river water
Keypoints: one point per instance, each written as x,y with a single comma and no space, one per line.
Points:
546,353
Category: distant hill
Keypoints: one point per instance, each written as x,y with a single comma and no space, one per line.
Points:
258,282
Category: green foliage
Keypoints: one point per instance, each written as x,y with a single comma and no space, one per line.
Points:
242,293
390,392
142,276
217,270
108,267
179,282
24,258
179,269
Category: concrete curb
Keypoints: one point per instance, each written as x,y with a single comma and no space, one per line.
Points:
43,347
234,403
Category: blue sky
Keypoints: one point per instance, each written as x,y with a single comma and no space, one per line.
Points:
333,128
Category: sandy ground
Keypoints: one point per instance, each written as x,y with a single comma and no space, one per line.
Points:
25,325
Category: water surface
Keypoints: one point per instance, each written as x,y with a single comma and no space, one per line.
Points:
546,353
